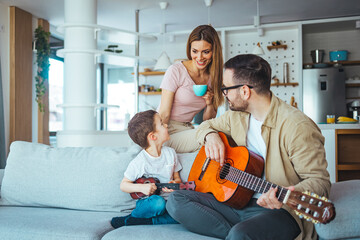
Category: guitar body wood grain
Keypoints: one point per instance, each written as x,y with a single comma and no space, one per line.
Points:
223,190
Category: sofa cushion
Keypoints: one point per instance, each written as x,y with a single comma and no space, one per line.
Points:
346,224
52,223
74,178
150,232
186,160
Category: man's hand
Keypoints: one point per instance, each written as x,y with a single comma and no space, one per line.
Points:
215,148
269,199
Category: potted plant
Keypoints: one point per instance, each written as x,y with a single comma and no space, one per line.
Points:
42,47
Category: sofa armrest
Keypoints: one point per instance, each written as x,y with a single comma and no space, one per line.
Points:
346,224
1,175
1,178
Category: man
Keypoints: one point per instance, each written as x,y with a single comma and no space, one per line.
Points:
289,142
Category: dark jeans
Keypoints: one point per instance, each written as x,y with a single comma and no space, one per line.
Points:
202,213
153,207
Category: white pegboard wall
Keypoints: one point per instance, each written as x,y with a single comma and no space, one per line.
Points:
242,42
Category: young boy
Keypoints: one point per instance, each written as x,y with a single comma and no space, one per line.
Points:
155,160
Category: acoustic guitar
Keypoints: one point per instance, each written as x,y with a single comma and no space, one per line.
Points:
236,181
176,186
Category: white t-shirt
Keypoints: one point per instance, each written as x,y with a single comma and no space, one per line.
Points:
255,142
161,167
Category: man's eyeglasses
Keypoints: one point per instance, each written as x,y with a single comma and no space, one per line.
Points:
225,90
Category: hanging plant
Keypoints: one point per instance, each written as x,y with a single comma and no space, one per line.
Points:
42,47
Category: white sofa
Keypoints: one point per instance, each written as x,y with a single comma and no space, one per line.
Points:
72,193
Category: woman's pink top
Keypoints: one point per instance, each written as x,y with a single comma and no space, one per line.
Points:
186,104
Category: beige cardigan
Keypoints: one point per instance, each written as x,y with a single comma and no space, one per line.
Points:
295,150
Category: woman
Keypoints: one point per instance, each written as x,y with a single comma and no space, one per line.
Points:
179,104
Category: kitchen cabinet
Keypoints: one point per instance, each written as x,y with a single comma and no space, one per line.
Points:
347,142
342,143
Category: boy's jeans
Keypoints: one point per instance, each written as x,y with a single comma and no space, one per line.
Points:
153,207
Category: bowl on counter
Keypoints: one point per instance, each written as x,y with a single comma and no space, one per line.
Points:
338,55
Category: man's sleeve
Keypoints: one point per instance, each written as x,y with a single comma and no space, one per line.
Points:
307,154
219,124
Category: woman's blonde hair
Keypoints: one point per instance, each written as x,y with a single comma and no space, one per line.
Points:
215,68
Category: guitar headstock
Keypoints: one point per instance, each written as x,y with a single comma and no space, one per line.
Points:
311,207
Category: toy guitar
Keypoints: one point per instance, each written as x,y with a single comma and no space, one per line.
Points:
236,181
176,186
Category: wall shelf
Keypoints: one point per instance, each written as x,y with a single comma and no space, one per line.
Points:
346,63
150,93
150,73
277,47
284,84
110,34
109,57
352,84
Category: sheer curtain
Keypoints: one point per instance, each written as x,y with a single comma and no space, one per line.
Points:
2,127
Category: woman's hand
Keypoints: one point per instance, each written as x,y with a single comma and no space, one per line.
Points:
208,97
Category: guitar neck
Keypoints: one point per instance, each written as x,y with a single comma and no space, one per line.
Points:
175,186
252,182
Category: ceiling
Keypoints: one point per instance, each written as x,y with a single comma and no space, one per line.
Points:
184,15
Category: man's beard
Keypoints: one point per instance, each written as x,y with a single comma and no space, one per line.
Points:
242,106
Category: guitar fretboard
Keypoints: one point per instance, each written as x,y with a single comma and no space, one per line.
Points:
175,186
251,182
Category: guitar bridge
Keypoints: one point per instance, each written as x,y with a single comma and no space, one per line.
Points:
204,167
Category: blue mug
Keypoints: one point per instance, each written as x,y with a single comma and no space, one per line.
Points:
199,90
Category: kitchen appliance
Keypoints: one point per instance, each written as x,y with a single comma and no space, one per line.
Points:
317,55
355,109
338,55
324,93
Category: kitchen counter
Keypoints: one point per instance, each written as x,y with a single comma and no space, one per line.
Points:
339,126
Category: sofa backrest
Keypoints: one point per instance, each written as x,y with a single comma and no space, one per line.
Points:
74,178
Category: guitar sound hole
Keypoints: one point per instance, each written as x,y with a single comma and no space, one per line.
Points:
224,170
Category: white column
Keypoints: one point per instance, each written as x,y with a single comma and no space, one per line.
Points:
79,67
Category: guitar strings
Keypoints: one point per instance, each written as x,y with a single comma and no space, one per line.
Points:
250,181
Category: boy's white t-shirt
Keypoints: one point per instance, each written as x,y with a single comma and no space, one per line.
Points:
161,167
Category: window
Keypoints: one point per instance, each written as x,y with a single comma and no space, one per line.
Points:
56,83
120,91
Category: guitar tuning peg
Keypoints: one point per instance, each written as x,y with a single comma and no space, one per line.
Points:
315,221
315,195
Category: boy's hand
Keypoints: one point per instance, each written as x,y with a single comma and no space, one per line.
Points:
165,189
148,188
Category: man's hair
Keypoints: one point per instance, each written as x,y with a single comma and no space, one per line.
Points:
140,126
251,70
